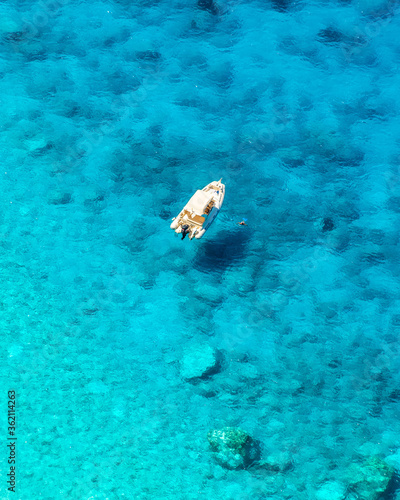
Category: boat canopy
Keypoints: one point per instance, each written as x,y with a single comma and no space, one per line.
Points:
199,201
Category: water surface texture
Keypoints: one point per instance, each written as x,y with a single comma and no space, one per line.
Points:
112,114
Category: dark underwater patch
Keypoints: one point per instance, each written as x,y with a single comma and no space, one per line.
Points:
41,151
61,199
330,35
281,5
14,36
218,255
209,6
373,258
39,55
327,224
121,83
149,55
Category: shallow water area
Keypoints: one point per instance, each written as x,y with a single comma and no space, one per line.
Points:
114,113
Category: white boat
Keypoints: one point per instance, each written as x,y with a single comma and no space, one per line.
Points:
200,211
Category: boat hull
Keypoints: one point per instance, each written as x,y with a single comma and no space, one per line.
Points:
208,203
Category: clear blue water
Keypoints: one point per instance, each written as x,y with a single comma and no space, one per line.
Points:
113,113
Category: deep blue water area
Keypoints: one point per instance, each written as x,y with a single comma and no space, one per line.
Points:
112,114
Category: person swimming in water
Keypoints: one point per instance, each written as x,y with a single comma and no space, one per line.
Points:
242,223
185,230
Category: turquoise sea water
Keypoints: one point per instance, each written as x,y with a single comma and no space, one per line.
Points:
113,114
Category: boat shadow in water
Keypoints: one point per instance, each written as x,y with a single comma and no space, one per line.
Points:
222,251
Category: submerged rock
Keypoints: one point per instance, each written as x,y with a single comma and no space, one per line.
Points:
371,479
200,362
276,462
233,447
228,437
331,490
